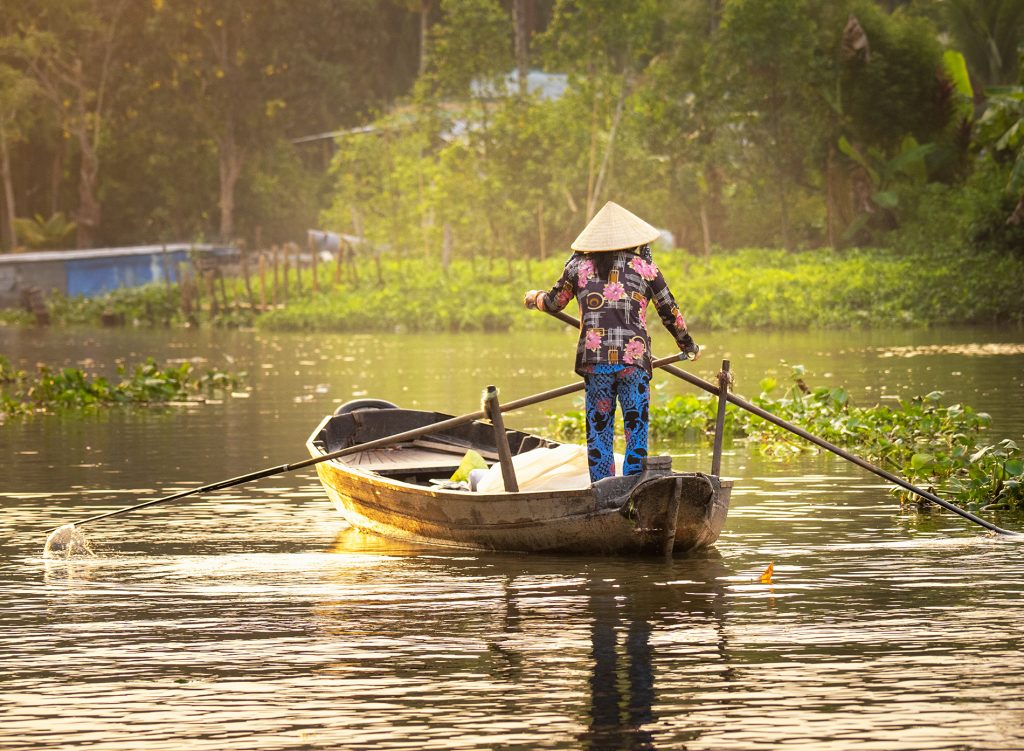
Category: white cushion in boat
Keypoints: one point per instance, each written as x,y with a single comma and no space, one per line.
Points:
563,467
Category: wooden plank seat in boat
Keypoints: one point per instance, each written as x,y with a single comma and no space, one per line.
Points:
390,461
425,455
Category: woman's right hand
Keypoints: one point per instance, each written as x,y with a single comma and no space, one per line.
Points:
690,349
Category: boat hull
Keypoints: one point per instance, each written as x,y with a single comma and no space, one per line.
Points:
651,513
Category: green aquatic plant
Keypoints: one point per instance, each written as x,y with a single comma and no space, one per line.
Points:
931,444
53,389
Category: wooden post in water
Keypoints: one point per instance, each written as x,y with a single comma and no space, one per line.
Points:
493,411
724,379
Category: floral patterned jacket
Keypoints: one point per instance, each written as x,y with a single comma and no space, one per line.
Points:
613,321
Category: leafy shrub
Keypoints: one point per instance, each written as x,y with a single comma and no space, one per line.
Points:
71,388
929,443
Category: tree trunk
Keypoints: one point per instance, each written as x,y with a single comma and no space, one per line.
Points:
56,176
784,212
606,160
424,35
446,248
88,214
522,43
1017,217
5,170
780,167
705,227
230,160
592,160
830,197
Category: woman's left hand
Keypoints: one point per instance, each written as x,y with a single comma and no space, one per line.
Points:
530,299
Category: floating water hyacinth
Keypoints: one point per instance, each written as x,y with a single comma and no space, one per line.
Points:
66,542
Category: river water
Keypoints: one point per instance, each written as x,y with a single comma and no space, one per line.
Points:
254,618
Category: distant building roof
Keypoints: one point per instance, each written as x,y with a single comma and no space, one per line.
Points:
548,86
132,250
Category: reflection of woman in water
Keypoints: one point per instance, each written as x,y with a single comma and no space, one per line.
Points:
622,683
624,605
618,721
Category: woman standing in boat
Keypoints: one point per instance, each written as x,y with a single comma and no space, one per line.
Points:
613,277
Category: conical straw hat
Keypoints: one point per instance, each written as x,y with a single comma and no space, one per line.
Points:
614,228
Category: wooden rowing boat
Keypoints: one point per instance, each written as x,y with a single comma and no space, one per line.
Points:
388,491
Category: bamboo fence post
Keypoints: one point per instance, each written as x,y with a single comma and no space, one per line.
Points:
313,251
540,230
212,292
284,270
197,272
263,281
245,274
186,293
274,253
223,288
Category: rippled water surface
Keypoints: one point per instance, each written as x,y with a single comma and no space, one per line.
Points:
253,618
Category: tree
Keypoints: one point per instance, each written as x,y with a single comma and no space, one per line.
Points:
217,67
471,47
422,8
674,109
988,33
17,92
604,45
72,50
764,64
251,74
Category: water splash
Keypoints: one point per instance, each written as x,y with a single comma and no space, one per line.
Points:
66,542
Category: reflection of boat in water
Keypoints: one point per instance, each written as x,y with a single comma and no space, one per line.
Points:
610,651
388,491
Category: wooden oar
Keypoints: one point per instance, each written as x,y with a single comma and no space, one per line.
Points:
407,435
796,430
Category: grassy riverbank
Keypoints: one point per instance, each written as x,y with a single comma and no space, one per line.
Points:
747,289
754,288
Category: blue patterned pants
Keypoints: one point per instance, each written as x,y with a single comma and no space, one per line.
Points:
629,387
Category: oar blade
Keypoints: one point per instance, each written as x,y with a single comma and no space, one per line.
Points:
66,541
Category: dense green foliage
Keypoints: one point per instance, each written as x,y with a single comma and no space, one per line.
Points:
741,123
932,445
51,389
